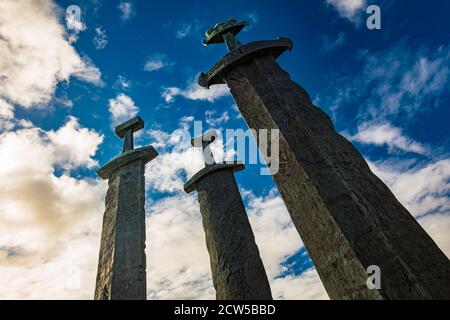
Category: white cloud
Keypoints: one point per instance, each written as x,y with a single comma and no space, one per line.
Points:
173,170
188,29
170,93
177,258
273,229
6,115
178,138
53,148
423,189
385,134
100,40
438,227
6,110
122,108
159,138
40,207
26,124
186,121
183,31
180,237
277,240
7,120
127,10
174,166
49,224
236,112
63,101
195,92
122,83
180,160
396,85
214,120
88,72
348,9
36,54
401,80
306,286
425,78
75,146
157,61
176,228
177,235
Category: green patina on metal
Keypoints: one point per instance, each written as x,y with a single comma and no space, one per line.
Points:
225,32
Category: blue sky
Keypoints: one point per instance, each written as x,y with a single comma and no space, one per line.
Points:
152,32
386,90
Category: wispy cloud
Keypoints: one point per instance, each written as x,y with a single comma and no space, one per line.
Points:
194,92
404,79
215,120
158,61
183,31
385,134
330,45
127,10
387,90
186,29
122,83
422,187
253,17
88,72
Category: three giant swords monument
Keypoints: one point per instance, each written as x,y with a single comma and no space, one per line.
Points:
346,216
